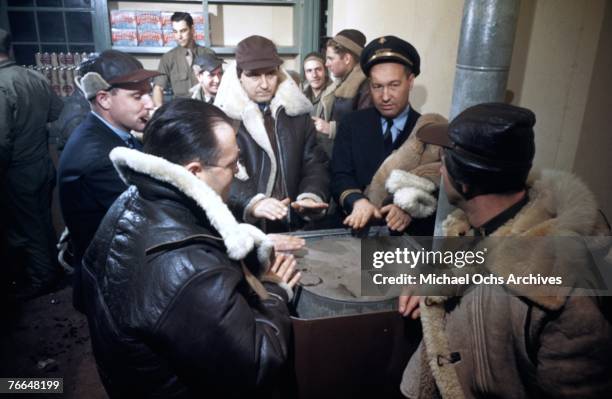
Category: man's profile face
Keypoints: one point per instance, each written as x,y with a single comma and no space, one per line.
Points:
183,34
209,81
338,65
390,86
314,71
220,175
130,109
260,84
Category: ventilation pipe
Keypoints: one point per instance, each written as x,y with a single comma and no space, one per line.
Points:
483,61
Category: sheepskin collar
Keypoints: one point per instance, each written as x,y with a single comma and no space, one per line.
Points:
560,205
235,102
349,86
239,238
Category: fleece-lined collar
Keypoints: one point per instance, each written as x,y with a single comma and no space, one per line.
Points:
239,238
235,102
560,205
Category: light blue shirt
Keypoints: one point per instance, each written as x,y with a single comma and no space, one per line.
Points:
399,122
123,135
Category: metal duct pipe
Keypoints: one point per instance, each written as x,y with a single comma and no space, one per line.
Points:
483,61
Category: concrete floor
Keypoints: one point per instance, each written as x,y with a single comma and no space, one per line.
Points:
46,338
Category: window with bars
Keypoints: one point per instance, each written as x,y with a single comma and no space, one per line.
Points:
49,26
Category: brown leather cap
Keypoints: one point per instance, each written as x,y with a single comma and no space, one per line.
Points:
120,69
257,52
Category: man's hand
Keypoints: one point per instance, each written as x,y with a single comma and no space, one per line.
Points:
271,208
308,205
396,218
321,125
284,267
363,211
409,306
283,242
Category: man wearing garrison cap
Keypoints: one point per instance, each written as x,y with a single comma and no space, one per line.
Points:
380,170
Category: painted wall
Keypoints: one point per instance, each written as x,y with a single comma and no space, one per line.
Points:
593,160
556,48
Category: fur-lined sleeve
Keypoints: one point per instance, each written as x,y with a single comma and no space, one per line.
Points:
413,156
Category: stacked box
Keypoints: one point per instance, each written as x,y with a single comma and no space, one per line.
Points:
148,20
123,19
168,37
198,21
150,38
124,37
199,38
166,22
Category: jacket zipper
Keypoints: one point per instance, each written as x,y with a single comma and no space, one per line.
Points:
281,163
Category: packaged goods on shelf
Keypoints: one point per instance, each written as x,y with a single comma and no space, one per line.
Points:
124,37
150,38
168,37
199,37
149,20
166,21
198,18
123,19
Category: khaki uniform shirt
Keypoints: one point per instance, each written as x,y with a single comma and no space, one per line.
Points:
174,66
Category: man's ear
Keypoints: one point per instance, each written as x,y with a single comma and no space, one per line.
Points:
411,80
104,100
347,58
194,167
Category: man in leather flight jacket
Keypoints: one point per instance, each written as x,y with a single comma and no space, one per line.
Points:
285,179
173,304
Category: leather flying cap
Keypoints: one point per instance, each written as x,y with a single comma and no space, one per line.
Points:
208,62
490,136
120,69
390,49
314,56
257,52
351,39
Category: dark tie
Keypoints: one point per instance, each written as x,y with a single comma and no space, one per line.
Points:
388,137
133,143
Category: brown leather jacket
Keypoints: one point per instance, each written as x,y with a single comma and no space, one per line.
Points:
301,163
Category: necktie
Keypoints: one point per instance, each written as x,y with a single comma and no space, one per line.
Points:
189,58
388,137
133,143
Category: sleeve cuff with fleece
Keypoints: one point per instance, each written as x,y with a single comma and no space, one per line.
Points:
332,130
247,213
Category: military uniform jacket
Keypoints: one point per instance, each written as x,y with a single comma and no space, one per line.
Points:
174,67
358,153
23,132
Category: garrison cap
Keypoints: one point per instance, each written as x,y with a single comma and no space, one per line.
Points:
208,62
390,49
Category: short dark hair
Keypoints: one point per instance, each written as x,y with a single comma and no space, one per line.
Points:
182,131
182,16
5,42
